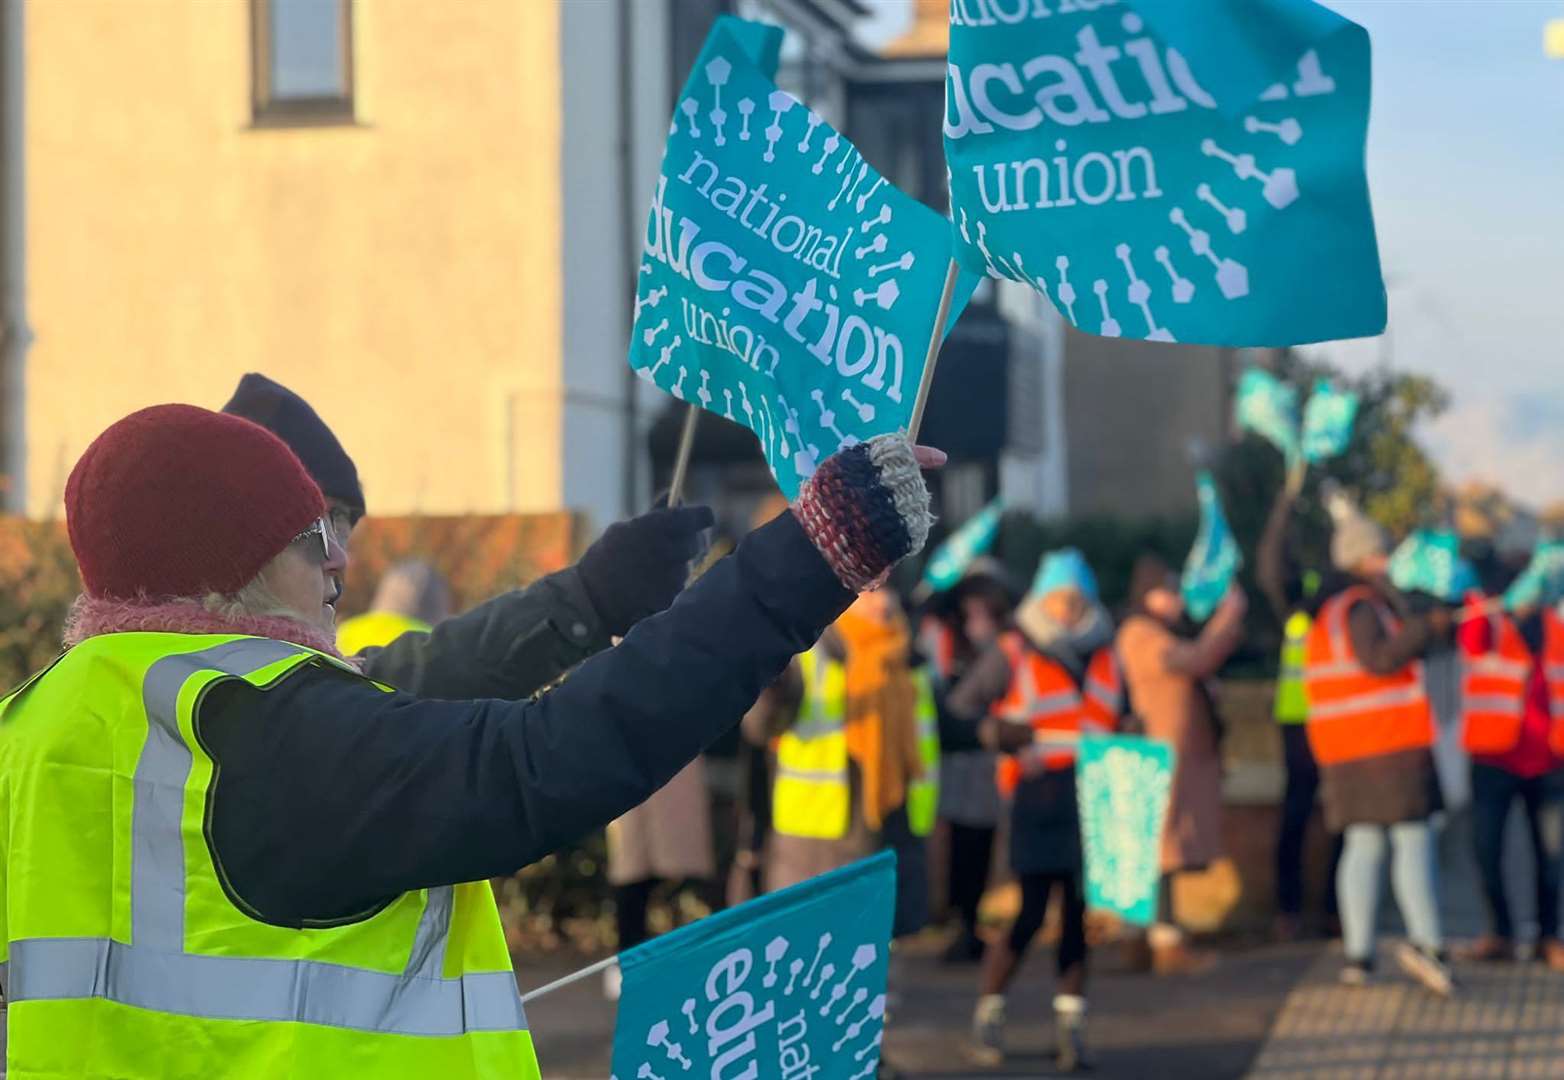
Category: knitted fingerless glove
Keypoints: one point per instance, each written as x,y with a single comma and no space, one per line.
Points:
866,508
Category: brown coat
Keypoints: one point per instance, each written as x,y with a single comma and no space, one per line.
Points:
1163,673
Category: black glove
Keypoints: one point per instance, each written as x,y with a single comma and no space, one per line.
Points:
637,567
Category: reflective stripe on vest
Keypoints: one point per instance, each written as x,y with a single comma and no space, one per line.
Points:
1553,673
1353,713
1292,701
1043,696
810,795
923,790
1495,687
191,963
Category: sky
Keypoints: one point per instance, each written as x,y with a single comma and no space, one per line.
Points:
1466,172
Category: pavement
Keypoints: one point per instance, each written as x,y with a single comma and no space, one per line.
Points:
1198,1028
1266,1012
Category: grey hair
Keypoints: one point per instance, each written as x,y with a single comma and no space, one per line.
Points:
256,599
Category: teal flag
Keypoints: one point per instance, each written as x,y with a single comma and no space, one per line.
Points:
1327,422
1429,561
1268,407
784,283
1174,170
1541,584
1122,785
791,985
1214,560
951,559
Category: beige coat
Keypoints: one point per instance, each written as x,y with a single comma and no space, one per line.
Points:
668,836
1163,673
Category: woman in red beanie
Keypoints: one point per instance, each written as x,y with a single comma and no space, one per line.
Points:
226,851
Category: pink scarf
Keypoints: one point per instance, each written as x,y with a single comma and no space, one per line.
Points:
92,616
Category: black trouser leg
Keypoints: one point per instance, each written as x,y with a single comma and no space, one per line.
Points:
1493,790
1543,798
1072,937
1303,783
971,854
630,904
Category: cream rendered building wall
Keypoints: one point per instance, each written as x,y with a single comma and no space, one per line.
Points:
403,273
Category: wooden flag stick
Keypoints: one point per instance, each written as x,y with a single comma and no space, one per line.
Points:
922,400
1296,474
681,461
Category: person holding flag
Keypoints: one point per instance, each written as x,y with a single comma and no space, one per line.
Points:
1169,677
340,923
1036,690
1513,728
1371,729
1294,599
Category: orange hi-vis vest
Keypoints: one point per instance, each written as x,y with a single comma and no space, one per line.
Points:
1353,713
1043,695
1494,687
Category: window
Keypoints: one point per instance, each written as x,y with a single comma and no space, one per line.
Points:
303,59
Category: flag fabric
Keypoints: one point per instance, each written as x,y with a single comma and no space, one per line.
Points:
789,985
1327,422
1186,170
1122,785
1268,407
1214,560
784,284
951,559
1541,584
1429,561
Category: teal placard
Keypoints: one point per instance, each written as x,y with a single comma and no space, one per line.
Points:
784,283
951,559
1429,561
1175,171
1214,560
1541,584
791,985
1268,407
1327,422
1123,784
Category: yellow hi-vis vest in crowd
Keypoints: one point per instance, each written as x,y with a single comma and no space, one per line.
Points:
375,630
812,795
127,955
923,792
1292,703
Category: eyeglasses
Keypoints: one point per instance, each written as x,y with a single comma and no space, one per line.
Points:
318,533
341,524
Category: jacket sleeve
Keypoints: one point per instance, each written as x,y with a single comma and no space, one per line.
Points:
1203,656
1273,574
1382,653
984,683
332,796
510,647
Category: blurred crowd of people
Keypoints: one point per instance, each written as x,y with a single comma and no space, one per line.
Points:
958,712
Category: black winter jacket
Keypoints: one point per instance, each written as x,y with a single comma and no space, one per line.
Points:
510,647
333,797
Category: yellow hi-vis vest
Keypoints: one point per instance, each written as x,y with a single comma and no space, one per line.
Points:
375,629
127,955
1292,704
923,792
811,796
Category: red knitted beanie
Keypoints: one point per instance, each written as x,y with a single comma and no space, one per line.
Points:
175,500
